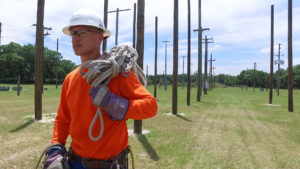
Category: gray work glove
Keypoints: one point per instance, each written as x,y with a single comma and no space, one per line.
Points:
56,158
115,106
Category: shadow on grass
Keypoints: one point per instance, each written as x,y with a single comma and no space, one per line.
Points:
180,116
206,102
29,122
147,146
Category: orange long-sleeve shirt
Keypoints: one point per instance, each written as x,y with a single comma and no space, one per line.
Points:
76,112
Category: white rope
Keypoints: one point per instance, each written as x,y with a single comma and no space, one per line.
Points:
121,58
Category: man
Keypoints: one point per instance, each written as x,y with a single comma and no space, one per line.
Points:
125,98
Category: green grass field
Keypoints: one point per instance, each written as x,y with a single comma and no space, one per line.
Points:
231,128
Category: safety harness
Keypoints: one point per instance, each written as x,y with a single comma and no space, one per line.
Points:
115,162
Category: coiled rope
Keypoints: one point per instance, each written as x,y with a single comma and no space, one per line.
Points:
121,58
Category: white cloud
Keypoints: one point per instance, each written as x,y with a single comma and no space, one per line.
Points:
265,50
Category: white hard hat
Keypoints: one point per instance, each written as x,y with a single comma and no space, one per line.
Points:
86,17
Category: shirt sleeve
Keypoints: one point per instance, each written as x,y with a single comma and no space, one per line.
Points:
142,104
62,120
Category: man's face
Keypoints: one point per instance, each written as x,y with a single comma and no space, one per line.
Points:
86,40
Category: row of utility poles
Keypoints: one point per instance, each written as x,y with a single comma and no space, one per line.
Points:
279,62
140,48
206,81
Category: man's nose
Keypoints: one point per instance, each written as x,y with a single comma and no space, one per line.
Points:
75,38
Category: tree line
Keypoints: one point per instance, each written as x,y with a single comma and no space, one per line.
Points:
248,78
17,60
257,78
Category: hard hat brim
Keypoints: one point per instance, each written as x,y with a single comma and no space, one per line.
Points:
106,32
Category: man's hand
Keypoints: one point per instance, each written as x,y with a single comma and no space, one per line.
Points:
56,158
115,106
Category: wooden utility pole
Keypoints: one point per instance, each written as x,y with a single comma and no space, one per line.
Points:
182,72
19,85
117,22
147,71
105,23
140,50
290,56
210,70
199,78
56,74
165,74
247,75
271,56
39,54
188,99
0,33
278,62
199,82
155,59
254,79
134,25
213,74
205,63
175,58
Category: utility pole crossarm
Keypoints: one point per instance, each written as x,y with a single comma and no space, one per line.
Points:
120,10
203,29
45,28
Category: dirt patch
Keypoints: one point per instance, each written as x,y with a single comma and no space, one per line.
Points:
171,114
131,133
274,105
46,118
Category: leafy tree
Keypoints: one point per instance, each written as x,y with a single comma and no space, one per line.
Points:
19,60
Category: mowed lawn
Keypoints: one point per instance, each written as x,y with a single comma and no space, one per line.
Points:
230,128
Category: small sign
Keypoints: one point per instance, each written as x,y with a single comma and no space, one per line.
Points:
206,85
4,88
16,88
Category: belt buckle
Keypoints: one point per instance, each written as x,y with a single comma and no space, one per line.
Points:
83,160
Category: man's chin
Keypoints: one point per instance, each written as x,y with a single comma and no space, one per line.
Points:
77,52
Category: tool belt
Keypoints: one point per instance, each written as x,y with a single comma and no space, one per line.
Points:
113,163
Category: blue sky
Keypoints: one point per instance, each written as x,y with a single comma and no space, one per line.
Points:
240,29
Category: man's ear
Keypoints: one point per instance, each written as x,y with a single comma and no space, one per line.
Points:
101,36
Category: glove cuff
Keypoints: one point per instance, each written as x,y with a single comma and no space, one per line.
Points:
116,107
57,148
103,90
